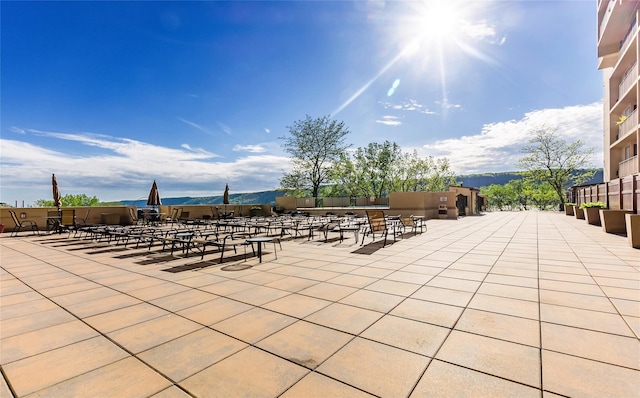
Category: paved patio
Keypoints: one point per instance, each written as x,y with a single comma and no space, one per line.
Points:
523,304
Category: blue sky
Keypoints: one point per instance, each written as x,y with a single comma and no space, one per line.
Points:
112,95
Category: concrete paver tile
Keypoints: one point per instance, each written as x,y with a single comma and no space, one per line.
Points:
291,283
428,311
393,287
351,280
214,311
142,336
171,392
604,347
505,305
445,380
124,317
444,296
19,298
5,391
622,293
584,301
586,319
571,287
296,305
578,377
27,307
500,358
191,353
471,272
516,292
179,301
315,385
102,305
328,291
258,295
158,291
125,378
250,372
345,318
500,326
305,343
376,368
58,365
419,337
30,322
83,296
227,287
454,283
79,285
253,325
28,344
371,300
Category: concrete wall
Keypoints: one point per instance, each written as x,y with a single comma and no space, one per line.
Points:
97,215
422,204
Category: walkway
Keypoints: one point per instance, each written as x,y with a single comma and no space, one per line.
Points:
525,304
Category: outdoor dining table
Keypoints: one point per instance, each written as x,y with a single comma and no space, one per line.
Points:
260,240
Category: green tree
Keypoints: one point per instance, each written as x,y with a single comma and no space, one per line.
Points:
442,176
377,163
71,200
314,145
552,160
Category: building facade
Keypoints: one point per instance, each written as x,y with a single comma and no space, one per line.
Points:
618,55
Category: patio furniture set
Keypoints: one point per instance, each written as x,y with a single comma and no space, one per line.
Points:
222,234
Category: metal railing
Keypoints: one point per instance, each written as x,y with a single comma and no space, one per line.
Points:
341,201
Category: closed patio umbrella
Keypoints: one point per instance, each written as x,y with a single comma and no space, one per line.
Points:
154,196
56,192
225,197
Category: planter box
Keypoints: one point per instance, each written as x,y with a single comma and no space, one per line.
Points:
592,215
633,229
579,213
613,221
568,210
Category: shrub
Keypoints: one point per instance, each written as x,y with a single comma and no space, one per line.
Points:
593,204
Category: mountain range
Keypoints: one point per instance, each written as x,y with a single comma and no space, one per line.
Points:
471,180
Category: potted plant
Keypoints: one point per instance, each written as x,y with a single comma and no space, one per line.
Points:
568,208
592,212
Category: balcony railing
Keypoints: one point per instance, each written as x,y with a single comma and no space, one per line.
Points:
627,38
628,167
628,80
628,125
605,19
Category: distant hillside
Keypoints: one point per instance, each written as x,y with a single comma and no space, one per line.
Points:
484,180
471,181
238,198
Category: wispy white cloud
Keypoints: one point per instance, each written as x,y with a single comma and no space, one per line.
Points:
390,121
121,168
267,131
250,148
194,125
445,104
225,128
480,30
410,105
497,147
